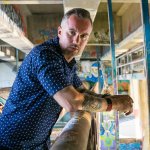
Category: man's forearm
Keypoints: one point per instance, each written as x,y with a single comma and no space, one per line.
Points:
94,104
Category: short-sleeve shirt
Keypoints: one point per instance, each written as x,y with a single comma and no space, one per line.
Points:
30,111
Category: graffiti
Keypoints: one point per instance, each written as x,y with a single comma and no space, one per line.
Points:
123,85
44,35
47,34
89,52
92,78
108,75
89,74
131,146
12,15
47,29
107,132
102,36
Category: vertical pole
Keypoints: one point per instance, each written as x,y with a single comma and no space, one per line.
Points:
98,62
98,115
146,29
113,61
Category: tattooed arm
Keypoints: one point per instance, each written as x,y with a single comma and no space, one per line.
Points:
73,100
94,102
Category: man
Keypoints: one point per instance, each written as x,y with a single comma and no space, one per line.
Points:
46,83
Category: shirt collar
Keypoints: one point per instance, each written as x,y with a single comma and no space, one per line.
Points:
55,42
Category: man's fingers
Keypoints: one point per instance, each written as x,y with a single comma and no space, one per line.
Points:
123,103
129,112
1,107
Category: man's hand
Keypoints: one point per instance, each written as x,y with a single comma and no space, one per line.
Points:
1,107
122,103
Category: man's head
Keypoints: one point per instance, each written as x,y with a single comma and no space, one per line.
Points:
74,32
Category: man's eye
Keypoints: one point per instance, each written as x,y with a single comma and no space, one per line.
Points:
71,33
84,37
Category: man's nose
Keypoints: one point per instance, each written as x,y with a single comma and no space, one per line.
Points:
76,39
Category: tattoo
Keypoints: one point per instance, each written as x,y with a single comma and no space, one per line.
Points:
91,103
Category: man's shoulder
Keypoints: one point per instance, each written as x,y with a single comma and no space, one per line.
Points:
48,47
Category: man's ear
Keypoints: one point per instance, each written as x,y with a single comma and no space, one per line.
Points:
59,31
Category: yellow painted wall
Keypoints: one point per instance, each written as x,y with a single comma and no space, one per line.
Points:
144,114
138,91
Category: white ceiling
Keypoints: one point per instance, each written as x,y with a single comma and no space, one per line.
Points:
45,8
31,1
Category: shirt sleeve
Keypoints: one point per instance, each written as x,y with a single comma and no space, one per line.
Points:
50,72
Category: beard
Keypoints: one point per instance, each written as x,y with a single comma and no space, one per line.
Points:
72,49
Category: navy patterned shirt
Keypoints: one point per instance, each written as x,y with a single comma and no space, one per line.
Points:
30,111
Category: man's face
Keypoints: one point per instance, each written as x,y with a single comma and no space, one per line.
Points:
73,35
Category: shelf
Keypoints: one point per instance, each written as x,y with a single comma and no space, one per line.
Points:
138,76
136,61
131,65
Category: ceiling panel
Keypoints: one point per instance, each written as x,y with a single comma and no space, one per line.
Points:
31,1
45,8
